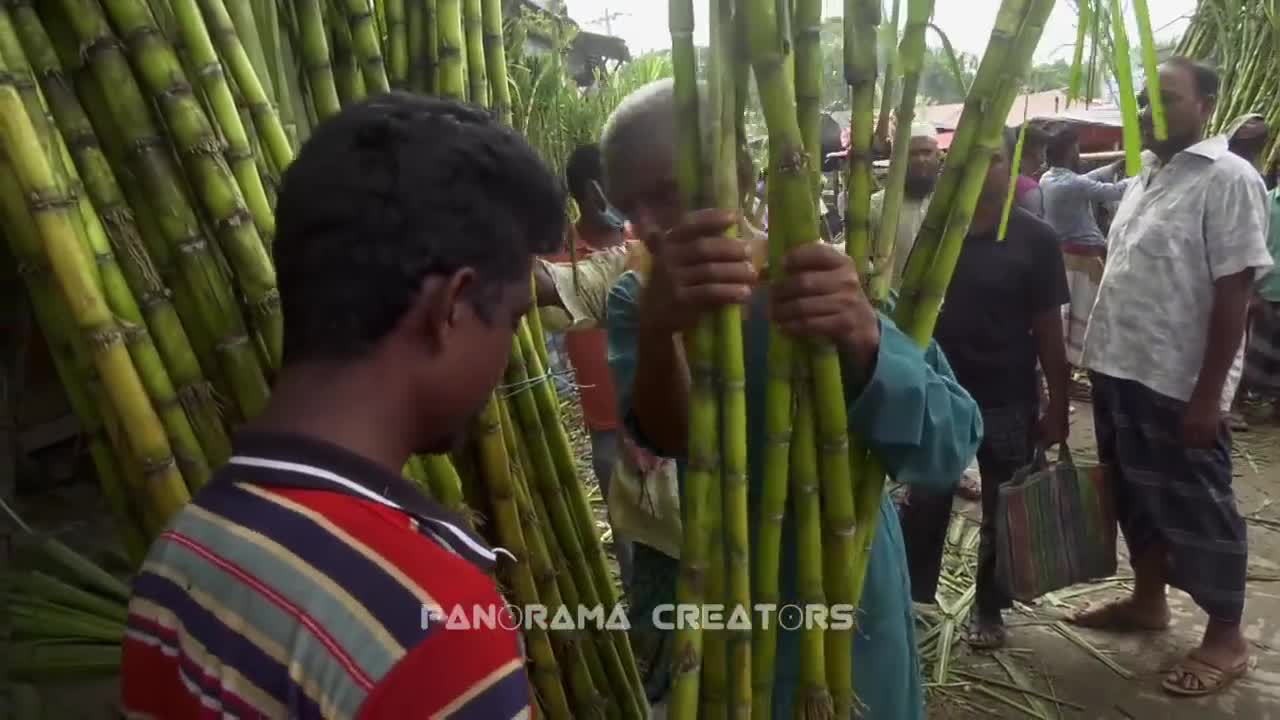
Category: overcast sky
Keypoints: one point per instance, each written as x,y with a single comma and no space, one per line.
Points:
643,23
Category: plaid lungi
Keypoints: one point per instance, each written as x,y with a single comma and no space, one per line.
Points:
1262,357
1168,494
1084,265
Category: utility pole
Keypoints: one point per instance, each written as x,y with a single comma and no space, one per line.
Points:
607,20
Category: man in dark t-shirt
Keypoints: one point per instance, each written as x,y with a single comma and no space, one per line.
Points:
1001,316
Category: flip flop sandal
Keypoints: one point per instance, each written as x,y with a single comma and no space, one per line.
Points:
1204,679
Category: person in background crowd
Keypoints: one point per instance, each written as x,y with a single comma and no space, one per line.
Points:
1164,347
1262,356
1027,188
1247,137
922,177
901,400
1002,314
579,293
293,584
1070,200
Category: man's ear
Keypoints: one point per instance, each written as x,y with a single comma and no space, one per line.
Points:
435,312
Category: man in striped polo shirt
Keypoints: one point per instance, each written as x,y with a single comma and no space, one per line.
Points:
295,584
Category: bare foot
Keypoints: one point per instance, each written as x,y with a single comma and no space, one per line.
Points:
969,488
987,633
1122,616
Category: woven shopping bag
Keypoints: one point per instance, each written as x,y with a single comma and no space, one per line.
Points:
1055,527
644,498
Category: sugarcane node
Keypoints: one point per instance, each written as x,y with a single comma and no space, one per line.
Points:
154,469
82,140
193,245
33,268
373,61
312,67
39,202
230,344
237,218
239,156
842,532
103,338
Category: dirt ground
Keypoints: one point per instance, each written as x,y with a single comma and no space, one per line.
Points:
1128,686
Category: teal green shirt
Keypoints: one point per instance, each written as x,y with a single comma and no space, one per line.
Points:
1269,285
921,424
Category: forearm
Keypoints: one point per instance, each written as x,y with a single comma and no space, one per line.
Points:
1227,321
1052,353
660,393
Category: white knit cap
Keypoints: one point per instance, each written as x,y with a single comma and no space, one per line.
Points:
923,129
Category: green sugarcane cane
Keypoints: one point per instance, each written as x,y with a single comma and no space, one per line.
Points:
245,22
807,28
860,21
911,56
367,48
991,134
254,89
1128,97
219,194
704,438
574,651
314,48
991,71
110,279
495,61
56,220
722,112
1084,12
415,27
545,672
450,40
163,320
346,72
473,30
890,44
870,488
551,487
431,36
239,153
397,44
69,353
446,485
576,496
774,487
1015,169
1151,63
198,261
814,701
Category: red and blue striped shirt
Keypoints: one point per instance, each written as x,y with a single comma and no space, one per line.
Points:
295,586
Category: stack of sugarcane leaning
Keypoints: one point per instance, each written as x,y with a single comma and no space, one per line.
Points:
141,143
1242,39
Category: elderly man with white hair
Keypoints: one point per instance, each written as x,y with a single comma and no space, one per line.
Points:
904,402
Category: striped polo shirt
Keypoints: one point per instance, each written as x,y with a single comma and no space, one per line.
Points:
295,585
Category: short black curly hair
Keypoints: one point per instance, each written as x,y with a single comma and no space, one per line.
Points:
389,191
584,165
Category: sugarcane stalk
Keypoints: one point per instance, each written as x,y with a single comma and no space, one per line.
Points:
807,27
415,44
446,485
704,440
774,490
69,353
56,220
451,81
860,21
367,48
990,128
563,460
166,324
254,89
992,71
162,75
346,71
473,30
222,103
1084,12
551,488
815,701
397,43
431,39
314,48
890,72
1151,64
495,61
579,645
911,56
545,671
1128,101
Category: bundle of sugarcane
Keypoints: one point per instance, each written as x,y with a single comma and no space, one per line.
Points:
1242,40
140,146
